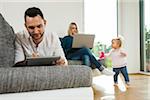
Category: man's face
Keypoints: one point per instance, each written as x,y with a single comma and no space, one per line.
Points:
35,26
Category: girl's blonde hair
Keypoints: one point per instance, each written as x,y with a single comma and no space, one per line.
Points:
69,29
119,40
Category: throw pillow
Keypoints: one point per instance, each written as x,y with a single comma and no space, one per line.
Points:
7,39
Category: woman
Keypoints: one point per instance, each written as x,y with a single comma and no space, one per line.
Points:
83,54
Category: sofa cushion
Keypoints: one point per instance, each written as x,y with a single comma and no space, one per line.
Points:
74,62
7,38
19,79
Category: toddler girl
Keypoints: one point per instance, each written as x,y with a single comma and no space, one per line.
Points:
119,62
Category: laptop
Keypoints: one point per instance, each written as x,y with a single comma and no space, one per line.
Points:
83,40
39,61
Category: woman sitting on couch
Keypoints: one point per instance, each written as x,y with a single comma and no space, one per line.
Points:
83,54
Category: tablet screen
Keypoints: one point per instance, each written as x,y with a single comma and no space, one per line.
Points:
38,61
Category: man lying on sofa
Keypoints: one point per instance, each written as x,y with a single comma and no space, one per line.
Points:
34,41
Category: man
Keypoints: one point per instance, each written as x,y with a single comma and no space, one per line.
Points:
34,41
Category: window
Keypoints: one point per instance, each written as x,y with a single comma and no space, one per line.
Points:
145,35
101,20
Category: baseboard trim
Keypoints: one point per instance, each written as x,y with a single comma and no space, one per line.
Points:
140,73
144,73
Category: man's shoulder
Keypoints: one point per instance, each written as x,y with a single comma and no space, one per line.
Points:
22,34
50,35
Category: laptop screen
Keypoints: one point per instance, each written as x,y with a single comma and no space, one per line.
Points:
83,40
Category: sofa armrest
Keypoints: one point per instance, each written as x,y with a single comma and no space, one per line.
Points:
22,79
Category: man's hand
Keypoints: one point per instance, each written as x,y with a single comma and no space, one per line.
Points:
61,61
35,55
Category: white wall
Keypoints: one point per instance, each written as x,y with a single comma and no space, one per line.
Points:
58,13
128,25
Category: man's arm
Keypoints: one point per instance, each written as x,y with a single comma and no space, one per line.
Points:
19,54
59,51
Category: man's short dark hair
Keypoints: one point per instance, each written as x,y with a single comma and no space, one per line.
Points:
32,12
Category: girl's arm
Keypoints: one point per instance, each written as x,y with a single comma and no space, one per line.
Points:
109,54
123,53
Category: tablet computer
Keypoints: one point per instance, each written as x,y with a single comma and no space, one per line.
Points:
39,61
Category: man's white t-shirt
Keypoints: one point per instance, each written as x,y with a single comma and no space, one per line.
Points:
49,46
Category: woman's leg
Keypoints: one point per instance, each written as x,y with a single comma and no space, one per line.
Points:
86,60
85,51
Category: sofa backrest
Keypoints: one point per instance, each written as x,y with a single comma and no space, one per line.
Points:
7,40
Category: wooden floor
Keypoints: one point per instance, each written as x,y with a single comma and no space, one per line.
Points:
139,88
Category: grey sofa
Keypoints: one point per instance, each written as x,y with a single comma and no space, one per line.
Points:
35,78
